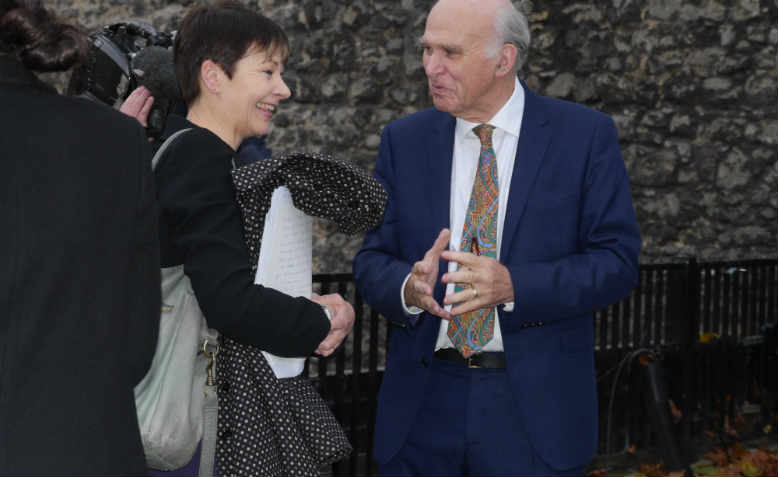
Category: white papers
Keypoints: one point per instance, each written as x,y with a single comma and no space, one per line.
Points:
285,263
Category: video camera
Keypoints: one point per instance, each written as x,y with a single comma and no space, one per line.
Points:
123,56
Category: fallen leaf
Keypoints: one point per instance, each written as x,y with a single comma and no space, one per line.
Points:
704,469
737,451
597,473
749,468
771,468
766,462
729,470
708,337
654,470
718,457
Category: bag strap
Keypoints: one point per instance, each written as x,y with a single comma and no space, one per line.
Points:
208,444
164,146
210,414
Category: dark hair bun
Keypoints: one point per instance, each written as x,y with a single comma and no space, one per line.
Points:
40,41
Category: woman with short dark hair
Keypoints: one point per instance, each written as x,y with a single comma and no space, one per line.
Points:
79,263
229,61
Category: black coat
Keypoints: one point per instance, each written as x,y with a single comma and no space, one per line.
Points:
201,227
79,281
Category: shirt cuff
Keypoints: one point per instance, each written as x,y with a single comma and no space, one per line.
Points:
413,310
327,311
508,307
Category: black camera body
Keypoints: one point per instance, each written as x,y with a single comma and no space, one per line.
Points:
111,71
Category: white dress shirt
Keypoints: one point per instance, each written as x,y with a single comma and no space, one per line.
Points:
467,149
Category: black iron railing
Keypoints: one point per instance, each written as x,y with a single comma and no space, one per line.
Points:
672,306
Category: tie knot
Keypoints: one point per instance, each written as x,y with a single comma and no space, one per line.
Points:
484,133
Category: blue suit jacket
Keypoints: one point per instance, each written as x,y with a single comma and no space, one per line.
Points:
570,242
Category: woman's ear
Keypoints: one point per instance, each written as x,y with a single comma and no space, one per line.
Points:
211,76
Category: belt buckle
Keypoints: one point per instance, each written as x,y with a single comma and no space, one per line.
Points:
471,364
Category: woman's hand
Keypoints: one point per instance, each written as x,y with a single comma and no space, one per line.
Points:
341,324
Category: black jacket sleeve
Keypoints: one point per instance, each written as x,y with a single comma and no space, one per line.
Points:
201,218
144,277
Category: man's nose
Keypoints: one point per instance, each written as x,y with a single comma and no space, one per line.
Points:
433,65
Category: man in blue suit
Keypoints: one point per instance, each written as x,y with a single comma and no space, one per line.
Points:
524,202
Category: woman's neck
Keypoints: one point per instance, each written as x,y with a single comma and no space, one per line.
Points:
206,117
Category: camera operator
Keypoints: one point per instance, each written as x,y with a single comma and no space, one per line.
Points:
129,66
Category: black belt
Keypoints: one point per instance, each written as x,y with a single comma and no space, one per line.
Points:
486,359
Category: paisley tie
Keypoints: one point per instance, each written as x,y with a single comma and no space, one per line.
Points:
471,331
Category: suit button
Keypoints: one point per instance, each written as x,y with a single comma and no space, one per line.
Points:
540,323
425,362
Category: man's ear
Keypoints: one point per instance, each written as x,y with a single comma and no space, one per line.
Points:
212,76
507,61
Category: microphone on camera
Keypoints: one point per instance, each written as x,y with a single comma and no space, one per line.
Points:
153,68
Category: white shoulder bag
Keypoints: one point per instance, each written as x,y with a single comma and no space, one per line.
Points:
176,401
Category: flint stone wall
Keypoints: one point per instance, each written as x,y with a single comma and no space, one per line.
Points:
692,86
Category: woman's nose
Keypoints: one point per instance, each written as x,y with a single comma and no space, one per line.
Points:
283,90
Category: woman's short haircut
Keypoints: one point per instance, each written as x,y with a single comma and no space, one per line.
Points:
223,33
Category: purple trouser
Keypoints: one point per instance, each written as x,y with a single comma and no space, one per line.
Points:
192,469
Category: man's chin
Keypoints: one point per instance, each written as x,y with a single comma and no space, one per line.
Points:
441,104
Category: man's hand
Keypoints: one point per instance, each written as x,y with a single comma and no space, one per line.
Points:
420,285
341,324
138,104
488,277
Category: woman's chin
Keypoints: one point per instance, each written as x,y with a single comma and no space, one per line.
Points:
260,129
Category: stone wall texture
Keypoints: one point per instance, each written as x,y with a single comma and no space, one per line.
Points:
691,84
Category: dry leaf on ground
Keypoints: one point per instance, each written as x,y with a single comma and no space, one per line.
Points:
654,470
718,457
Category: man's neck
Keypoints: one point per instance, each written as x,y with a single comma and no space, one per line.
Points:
499,95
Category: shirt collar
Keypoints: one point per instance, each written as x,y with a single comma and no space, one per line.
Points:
507,119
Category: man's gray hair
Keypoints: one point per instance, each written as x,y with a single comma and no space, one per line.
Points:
512,26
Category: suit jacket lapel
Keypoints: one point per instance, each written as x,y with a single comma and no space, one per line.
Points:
440,152
534,139
439,160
